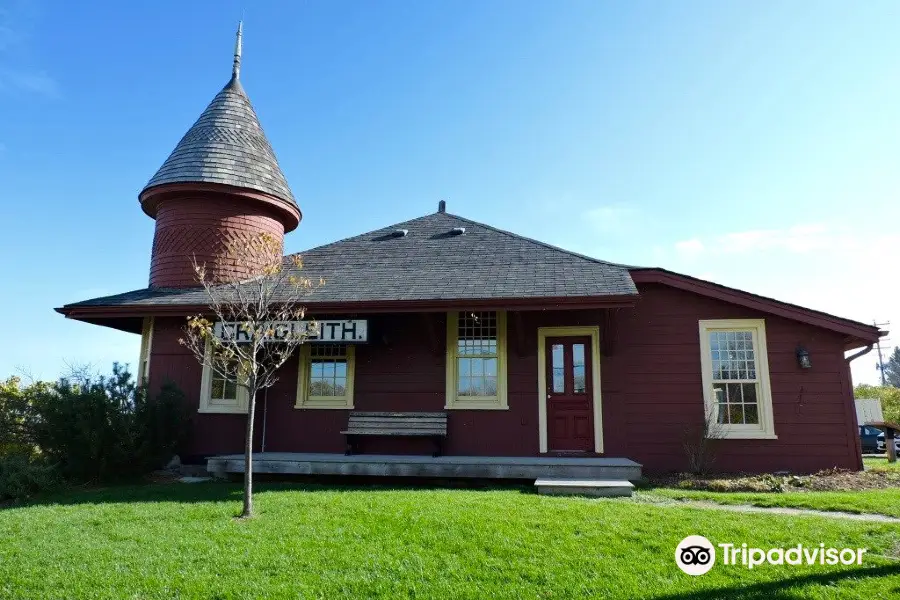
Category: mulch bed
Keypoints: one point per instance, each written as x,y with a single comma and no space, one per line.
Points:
831,480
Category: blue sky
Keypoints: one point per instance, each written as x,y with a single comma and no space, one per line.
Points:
751,143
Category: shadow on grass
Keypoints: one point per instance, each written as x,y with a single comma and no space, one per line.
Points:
790,587
222,491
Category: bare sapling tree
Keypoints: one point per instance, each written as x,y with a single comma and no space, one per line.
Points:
699,443
252,326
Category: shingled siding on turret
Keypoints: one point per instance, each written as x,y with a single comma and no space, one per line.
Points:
201,227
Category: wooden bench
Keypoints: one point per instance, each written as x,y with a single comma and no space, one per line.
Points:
397,424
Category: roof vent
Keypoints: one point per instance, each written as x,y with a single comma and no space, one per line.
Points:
399,232
457,231
442,206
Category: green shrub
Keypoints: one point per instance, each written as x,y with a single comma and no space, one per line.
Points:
103,428
160,426
21,477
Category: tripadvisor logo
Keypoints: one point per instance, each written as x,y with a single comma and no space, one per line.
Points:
696,555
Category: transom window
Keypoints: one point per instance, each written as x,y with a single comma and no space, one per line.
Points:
325,376
735,375
476,360
477,354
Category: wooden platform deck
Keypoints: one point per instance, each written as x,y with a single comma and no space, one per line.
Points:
382,465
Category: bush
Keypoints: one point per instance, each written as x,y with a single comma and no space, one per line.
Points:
21,477
84,426
160,426
94,429
16,414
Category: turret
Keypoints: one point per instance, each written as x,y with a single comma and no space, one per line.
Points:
220,186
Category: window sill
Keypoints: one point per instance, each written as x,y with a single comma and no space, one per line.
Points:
464,406
748,435
222,410
314,406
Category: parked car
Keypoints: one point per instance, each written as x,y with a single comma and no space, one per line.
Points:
868,439
881,445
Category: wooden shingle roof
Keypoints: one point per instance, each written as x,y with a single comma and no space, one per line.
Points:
226,145
431,262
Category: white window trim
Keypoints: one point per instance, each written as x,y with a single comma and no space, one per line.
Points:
305,401
452,400
543,334
766,428
143,368
207,404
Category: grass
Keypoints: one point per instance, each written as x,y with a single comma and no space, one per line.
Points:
180,541
875,501
884,502
880,464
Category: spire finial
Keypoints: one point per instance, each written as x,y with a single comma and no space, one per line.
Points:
236,68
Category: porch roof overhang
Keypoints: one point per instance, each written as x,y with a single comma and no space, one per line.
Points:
856,334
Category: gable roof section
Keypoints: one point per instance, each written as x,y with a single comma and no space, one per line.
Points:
856,332
431,265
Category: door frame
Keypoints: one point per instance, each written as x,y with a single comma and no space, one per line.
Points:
543,334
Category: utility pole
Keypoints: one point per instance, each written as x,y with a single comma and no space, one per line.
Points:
880,358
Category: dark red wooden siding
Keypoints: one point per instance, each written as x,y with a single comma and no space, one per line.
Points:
650,386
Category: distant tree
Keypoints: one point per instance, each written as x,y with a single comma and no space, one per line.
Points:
889,396
254,310
892,369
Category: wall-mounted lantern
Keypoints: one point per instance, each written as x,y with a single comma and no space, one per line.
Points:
803,358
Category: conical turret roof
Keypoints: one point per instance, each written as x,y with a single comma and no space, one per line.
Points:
226,145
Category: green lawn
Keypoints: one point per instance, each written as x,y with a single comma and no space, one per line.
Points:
881,464
885,502
180,541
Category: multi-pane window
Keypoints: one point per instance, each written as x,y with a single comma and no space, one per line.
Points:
328,370
219,391
734,375
477,354
476,360
223,387
736,378
325,376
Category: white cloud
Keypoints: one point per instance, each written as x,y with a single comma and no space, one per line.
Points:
799,238
690,248
833,268
609,218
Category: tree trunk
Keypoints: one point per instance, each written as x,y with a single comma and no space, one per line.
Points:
248,458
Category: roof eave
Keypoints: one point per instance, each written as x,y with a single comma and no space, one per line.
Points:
90,312
150,197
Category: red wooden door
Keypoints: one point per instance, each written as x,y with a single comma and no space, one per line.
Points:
570,410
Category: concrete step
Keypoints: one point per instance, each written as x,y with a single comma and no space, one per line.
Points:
584,487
